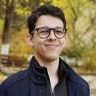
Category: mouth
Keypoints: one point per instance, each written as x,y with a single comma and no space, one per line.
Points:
51,46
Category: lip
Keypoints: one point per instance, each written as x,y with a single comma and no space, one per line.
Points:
51,46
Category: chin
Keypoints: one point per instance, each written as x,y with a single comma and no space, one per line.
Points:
52,58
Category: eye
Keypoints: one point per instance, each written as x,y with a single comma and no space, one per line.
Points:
58,32
43,31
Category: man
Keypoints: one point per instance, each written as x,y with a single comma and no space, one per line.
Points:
48,74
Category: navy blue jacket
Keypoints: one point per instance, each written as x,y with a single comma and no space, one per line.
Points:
32,83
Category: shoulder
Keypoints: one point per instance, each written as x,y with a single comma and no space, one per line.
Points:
74,78
13,79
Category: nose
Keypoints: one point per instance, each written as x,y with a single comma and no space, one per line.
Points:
52,35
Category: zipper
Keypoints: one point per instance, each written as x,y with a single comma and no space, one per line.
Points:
52,92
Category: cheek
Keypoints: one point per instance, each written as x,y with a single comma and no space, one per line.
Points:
37,44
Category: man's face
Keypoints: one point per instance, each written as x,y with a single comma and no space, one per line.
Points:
51,47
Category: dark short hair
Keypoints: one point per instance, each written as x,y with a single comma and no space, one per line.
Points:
46,9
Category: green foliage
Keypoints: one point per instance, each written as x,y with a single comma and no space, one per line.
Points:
90,59
1,24
2,8
18,44
22,11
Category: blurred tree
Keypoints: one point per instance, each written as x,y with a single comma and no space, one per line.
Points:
45,1
2,8
34,3
15,15
10,7
80,16
22,10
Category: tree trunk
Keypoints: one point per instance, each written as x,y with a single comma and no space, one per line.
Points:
10,6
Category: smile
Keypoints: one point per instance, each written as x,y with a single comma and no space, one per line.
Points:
51,46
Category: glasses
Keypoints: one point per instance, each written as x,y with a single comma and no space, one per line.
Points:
44,32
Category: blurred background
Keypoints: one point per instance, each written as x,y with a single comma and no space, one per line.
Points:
80,52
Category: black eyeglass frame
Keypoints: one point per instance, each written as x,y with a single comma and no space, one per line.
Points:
49,30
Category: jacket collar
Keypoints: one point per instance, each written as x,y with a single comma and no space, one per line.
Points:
39,74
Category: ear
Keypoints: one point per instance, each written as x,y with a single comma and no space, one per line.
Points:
29,39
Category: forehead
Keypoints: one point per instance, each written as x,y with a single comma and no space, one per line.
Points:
49,21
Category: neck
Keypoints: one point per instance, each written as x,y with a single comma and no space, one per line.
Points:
51,65
52,68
